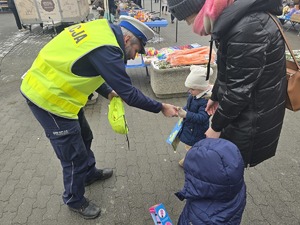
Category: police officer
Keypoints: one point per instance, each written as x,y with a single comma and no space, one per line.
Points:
66,71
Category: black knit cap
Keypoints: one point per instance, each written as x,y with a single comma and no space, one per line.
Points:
182,9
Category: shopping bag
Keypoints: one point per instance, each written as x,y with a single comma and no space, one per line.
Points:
293,87
116,116
292,74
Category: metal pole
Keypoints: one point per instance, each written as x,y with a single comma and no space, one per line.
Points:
151,5
176,30
159,8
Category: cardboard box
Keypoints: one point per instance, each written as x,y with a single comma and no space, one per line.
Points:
173,139
160,215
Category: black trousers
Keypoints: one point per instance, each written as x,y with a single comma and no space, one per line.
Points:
71,140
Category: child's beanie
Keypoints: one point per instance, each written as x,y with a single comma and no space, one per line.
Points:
197,78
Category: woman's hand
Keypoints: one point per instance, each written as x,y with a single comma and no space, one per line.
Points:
210,133
211,107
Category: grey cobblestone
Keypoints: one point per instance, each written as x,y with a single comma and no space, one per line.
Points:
52,208
7,217
8,190
33,187
146,174
24,211
36,216
15,200
43,196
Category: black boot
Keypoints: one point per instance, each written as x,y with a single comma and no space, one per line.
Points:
100,174
88,210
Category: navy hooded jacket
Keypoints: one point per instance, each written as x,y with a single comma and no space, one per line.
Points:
196,122
214,188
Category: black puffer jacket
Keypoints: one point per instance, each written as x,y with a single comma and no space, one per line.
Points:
251,83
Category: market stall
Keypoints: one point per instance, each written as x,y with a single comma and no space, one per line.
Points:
149,18
170,66
53,12
4,6
296,53
167,77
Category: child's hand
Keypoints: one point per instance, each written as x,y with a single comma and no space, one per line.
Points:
181,113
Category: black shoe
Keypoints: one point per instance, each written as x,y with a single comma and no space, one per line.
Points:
88,210
172,21
100,174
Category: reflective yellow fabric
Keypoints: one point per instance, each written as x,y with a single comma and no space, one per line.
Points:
116,116
50,83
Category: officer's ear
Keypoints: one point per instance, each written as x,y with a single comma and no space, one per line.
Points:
127,39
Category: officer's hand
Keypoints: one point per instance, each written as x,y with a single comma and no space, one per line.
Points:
169,110
112,94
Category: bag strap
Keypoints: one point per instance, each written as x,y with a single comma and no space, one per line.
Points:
285,39
209,58
127,138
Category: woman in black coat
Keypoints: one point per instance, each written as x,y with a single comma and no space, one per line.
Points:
248,99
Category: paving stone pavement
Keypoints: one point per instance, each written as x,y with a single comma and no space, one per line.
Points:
146,174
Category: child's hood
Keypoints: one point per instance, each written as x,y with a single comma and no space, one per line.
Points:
214,169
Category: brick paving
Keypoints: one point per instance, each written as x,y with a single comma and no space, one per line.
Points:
146,174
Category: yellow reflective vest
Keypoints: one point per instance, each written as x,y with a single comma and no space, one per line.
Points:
50,83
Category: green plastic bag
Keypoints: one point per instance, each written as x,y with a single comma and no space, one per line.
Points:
116,116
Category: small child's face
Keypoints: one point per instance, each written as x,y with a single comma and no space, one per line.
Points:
195,92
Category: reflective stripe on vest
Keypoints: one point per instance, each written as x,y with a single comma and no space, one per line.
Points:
50,83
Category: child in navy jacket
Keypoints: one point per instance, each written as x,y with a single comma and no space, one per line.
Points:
214,187
195,118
